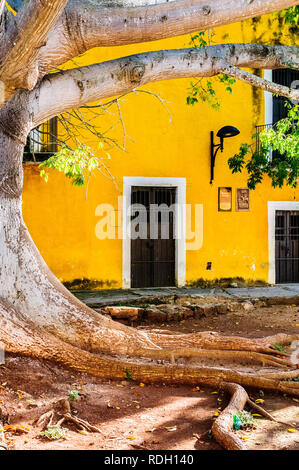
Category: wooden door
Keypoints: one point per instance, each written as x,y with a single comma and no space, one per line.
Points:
287,246
153,259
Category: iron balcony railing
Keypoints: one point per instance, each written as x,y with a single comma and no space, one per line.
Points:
259,129
41,142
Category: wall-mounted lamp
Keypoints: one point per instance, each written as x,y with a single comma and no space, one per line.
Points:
223,133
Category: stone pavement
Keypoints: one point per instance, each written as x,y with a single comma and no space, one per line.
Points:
283,293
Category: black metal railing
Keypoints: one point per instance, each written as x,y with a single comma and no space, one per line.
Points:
259,129
42,142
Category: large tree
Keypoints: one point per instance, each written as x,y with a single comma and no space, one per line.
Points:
38,316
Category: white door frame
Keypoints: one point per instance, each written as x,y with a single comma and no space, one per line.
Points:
268,97
274,206
179,224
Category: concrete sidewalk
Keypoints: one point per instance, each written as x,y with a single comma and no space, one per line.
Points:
286,293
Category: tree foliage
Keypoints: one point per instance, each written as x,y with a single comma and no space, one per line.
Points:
203,89
277,156
77,164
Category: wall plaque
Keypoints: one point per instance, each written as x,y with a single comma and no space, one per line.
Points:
225,199
243,199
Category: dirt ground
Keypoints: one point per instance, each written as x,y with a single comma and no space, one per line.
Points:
131,415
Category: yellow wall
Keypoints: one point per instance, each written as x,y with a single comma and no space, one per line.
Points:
62,221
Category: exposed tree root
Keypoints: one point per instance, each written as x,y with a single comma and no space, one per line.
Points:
46,419
212,340
267,415
113,349
29,340
222,429
223,355
223,425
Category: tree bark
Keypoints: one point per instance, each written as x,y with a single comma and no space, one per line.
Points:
75,87
20,44
86,24
222,428
31,46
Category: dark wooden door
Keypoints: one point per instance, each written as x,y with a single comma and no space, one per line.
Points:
287,246
153,257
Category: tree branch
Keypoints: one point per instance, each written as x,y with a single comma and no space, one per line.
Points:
75,87
86,23
26,34
258,82
2,4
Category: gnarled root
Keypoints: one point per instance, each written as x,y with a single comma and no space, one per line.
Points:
266,414
223,355
22,336
46,419
222,429
25,338
223,425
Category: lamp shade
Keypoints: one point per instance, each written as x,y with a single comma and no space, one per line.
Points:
227,131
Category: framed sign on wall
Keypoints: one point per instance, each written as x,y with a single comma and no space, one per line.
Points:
243,199
224,199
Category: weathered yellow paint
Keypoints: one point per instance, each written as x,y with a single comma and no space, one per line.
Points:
62,221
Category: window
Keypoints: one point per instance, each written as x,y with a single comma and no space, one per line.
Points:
276,105
41,142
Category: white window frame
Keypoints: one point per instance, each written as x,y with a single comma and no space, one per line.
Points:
274,206
268,75
179,224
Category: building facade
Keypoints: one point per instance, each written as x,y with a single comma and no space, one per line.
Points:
215,231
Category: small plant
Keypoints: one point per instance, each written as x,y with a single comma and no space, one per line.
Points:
279,348
244,420
54,432
73,395
129,375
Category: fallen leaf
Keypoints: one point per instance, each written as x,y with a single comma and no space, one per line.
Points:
171,428
259,400
292,430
